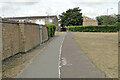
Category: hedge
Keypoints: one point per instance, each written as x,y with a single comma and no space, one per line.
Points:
51,29
100,28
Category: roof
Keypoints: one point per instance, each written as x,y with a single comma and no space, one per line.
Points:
90,18
30,17
14,22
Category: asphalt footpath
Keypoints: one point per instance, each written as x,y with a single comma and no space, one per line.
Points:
74,63
46,63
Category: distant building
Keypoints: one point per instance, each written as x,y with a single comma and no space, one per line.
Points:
89,21
0,19
42,20
119,7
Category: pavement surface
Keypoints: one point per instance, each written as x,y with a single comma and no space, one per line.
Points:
46,64
75,64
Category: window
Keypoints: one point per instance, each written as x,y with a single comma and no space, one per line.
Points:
41,21
50,20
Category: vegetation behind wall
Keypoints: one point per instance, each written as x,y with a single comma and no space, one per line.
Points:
51,29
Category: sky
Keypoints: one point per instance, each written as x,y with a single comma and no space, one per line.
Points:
90,8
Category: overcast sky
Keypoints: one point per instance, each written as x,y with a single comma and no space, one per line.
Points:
90,8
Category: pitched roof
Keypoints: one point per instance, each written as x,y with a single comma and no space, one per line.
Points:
30,17
85,17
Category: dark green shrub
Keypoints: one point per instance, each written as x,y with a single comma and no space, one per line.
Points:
100,28
51,29
117,24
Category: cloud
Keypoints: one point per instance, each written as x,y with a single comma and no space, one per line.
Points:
95,1
19,1
90,8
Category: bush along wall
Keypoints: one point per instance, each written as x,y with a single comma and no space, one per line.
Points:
51,29
100,28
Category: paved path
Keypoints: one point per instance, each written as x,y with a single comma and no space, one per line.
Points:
75,63
46,64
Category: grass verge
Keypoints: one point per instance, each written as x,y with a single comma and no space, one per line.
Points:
101,49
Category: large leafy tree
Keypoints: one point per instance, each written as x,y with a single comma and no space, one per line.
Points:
71,17
106,20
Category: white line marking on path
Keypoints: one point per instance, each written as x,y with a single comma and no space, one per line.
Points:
59,64
64,61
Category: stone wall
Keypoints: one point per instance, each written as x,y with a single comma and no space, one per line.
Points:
19,37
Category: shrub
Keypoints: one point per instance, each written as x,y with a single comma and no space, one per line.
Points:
100,28
51,29
117,24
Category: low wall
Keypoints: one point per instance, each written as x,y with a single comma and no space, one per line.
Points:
19,37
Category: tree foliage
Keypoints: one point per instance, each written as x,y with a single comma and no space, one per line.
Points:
106,20
118,18
71,17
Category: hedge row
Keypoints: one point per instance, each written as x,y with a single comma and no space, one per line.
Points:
51,29
101,28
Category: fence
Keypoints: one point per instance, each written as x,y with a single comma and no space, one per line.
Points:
20,37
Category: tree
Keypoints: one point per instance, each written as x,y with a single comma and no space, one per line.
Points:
118,18
106,20
100,19
71,17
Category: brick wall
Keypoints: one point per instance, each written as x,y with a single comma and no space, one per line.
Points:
0,40
119,53
10,36
0,50
19,37
32,36
44,34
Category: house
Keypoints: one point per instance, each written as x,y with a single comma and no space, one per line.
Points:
42,20
0,19
89,21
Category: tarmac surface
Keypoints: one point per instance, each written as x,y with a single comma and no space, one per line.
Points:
74,63
46,64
